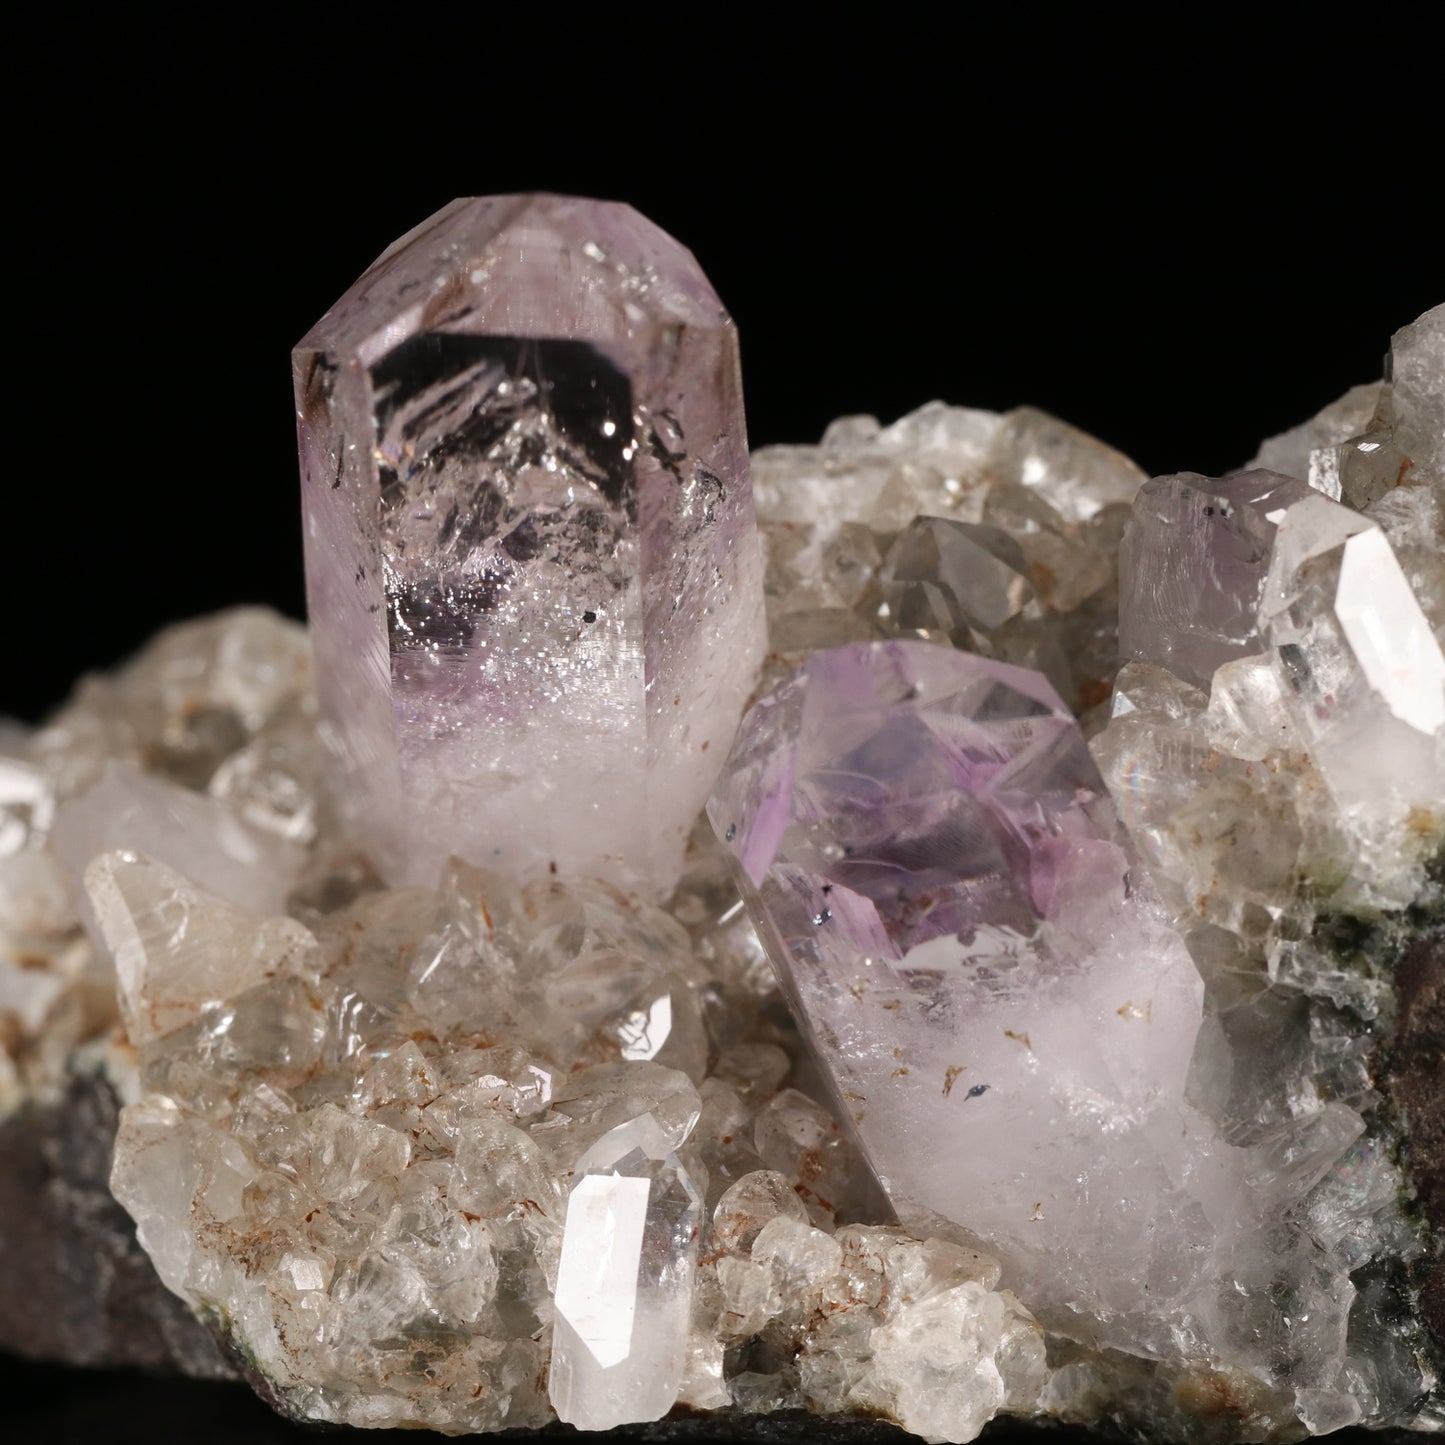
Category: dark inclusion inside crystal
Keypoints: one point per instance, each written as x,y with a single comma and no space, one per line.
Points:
459,419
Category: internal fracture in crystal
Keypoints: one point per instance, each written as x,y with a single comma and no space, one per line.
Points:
532,570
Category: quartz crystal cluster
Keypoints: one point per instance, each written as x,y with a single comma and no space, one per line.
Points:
995,534
1143,1063
1092,825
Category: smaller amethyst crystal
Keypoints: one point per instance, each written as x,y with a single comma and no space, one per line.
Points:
1192,566
945,889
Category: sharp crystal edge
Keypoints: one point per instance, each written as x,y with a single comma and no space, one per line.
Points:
1127,796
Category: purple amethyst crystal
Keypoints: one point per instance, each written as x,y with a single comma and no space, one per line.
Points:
533,574
944,886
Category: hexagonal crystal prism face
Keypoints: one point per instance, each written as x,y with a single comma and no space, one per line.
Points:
1360,668
532,568
1192,565
940,877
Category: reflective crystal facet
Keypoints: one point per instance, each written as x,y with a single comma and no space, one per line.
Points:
1290,451
624,1285
1192,564
532,571
1360,471
949,578
1361,666
1214,570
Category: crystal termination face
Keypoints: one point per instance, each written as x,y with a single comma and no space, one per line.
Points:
532,566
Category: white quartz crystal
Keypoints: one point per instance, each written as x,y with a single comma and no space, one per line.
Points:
177,948
624,1285
1289,452
181,828
1364,679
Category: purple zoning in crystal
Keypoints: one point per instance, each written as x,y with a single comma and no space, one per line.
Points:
1192,567
532,567
944,886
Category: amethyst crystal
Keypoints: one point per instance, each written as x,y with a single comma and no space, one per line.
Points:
1192,564
532,568
941,879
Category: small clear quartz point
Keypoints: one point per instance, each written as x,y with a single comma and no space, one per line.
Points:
624,1286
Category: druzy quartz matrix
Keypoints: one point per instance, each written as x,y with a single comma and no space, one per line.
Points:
1095,826
532,570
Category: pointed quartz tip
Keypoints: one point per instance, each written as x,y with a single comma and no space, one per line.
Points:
575,250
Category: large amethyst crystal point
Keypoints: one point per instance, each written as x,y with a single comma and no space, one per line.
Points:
1007,1015
532,569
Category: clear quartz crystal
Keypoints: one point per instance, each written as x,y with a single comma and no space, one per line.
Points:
955,581
177,948
202,836
992,532
532,569
1192,567
1290,451
1417,365
624,1286
750,1204
1214,570
1368,600
1359,471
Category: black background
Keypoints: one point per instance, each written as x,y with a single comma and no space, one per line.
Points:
1177,240
1174,231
